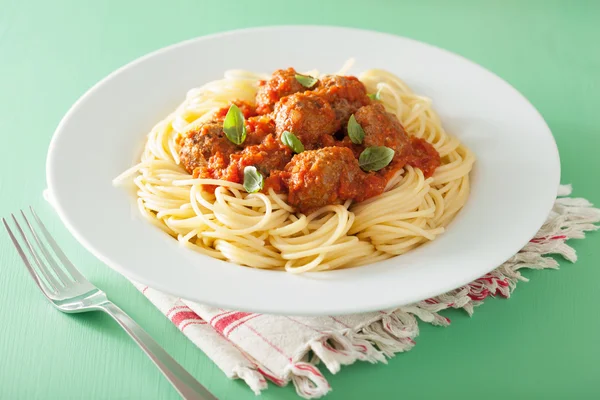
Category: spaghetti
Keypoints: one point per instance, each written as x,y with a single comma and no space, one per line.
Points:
262,230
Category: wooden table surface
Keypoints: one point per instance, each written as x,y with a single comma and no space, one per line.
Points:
542,343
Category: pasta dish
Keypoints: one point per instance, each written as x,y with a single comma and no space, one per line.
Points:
301,171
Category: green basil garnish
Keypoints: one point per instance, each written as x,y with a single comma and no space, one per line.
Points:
306,80
355,131
234,126
375,96
253,180
291,141
375,158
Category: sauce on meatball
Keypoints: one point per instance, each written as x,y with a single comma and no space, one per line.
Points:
282,83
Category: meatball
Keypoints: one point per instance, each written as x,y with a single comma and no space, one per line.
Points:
383,129
345,93
330,175
282,83
200,144
306,115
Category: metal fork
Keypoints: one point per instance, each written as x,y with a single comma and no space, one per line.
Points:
70,292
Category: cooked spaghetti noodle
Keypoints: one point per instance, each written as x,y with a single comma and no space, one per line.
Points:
262,230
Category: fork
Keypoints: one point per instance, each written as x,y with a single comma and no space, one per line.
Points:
70,292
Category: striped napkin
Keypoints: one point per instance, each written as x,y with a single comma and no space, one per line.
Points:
259,347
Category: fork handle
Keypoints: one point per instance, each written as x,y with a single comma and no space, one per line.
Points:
188,387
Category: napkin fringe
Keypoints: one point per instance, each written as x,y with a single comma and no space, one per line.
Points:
308,380
392,332
385,335
337,349
254,379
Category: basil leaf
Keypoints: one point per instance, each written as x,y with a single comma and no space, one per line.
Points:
234,126
355,131
375,96
306,80
375,158
253,180
291,141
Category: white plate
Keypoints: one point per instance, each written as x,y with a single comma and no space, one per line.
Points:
514,181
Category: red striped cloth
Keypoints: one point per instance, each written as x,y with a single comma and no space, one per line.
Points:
260,347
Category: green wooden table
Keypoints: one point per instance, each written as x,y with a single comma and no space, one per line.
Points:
542,343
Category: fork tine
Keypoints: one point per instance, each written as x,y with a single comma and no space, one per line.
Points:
51,280
44,287
58,251
62,277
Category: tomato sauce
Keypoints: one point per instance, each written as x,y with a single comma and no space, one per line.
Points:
328,173
247,109
423,156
